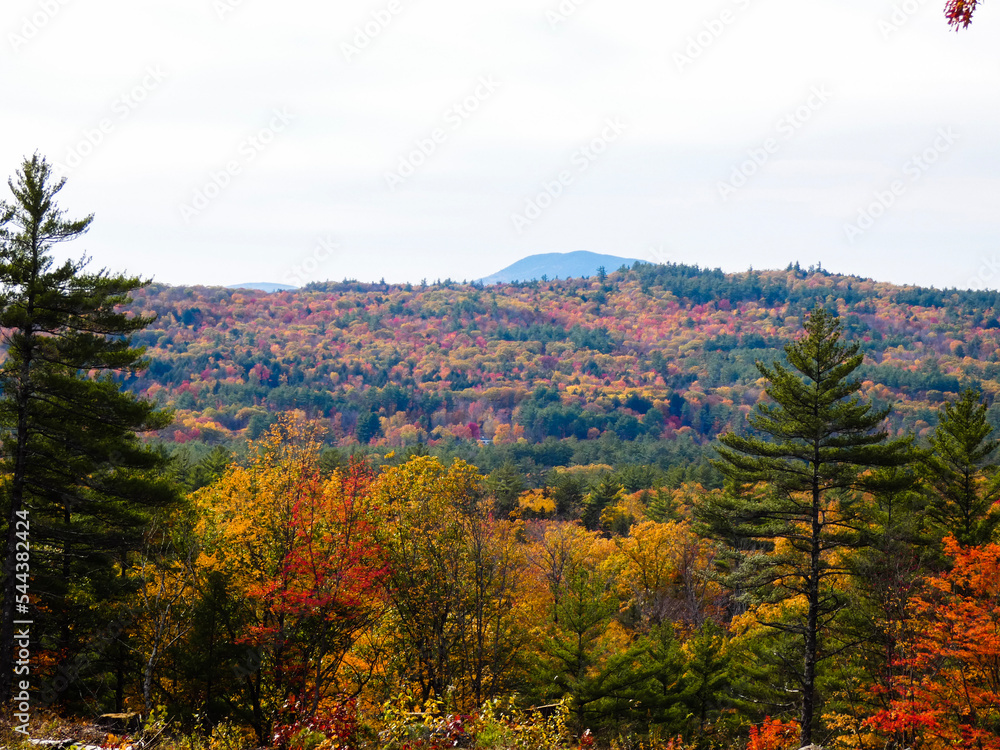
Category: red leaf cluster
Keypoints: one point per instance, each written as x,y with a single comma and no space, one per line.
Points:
959,12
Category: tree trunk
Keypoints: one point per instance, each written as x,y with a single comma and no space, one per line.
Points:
812,626
147,680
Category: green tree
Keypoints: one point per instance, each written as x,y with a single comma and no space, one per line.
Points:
607,492
662,506
706,673
505,484
209,468
72,463
666,691
886,574
567,490
793,493
369,427
578,660
961,472
687,683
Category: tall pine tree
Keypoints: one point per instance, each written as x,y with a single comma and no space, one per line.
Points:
962,472
72,462
793,502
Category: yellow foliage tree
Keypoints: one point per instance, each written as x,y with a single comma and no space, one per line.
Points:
298,554
455,575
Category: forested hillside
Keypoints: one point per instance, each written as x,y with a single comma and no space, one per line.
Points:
655,351
455,516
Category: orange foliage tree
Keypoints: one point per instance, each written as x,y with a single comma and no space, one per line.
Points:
952,697
773,734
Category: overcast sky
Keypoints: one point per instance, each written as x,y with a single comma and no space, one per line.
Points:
224,141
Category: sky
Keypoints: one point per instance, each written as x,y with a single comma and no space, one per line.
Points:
228,141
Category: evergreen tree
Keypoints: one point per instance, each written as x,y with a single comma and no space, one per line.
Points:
662,696
210,468
369,427
567,490
706,673
505,485
607,492
961,472
661,506
73,466
886,574
792,492
575,660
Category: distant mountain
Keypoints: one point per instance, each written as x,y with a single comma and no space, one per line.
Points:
263,286
558,265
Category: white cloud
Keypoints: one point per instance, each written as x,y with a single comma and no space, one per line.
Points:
355,118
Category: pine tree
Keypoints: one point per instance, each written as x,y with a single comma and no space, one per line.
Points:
961,471
576,662
505,484
793,495
72,463
885,575
706,673
567,490
607,492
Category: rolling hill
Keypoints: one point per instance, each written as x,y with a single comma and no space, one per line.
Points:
654,358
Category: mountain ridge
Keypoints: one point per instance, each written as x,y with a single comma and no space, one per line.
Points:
263,286
576,264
